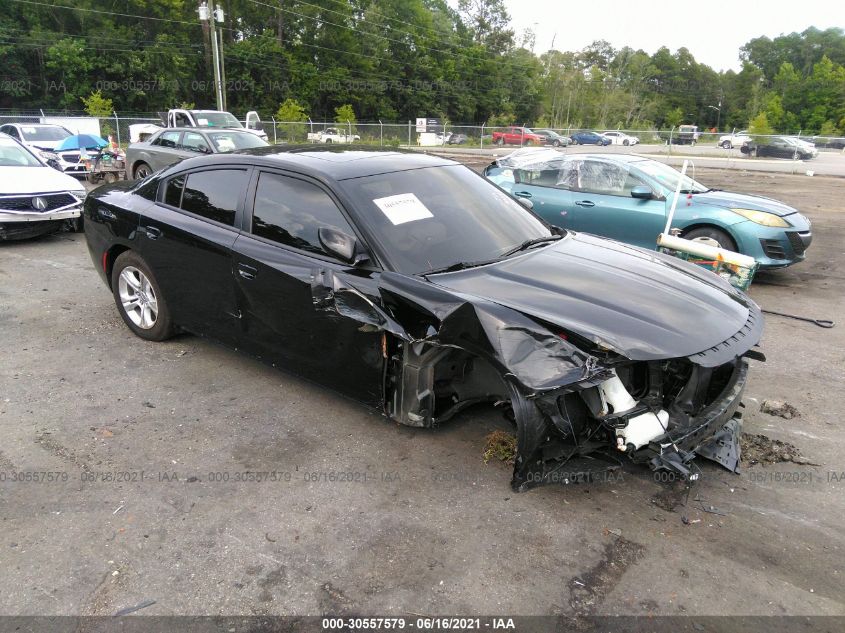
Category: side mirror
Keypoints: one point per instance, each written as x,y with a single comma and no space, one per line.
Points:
341,245
525,202
643,192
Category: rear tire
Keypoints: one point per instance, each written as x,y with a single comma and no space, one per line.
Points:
139,299
141,170
711,233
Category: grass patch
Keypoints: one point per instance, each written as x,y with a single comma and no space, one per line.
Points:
500,445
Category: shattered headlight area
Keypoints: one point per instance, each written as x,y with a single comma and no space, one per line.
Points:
579,408
669,412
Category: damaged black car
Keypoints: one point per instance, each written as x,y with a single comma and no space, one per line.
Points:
411,283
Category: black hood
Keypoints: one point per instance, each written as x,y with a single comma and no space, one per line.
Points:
639,303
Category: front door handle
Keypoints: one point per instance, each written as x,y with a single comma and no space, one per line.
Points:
522,194
153,232
586,203
246,271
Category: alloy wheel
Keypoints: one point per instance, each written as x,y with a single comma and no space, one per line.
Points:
138,297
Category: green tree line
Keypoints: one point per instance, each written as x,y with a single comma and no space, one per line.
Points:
395,60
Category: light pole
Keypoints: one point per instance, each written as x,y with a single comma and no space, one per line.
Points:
718,113
205,16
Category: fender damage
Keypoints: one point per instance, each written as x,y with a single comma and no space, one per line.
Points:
580,406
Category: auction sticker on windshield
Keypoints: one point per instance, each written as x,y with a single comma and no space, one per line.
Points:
402,208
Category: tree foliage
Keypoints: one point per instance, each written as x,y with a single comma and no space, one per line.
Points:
399,59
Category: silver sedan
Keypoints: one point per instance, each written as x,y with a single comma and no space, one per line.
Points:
171,145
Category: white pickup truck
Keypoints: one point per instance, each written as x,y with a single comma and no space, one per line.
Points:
729,141
332,135
213,119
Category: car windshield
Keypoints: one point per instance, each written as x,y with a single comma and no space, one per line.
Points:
231,141
216,119
44,133
427,219
668,177
13,155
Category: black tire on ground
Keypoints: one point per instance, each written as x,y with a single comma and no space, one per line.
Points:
625,142
727,145
78,224
711,232
556,143
575,141
162,328
141,170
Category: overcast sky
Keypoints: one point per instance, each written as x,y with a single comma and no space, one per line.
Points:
713,31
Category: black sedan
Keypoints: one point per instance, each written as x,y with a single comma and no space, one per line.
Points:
416,286
780,147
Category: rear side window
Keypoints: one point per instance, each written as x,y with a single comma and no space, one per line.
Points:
167,139
173,191
214,194
291,211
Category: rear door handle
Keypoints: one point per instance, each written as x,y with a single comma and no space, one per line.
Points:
585,203
246,271
522,194
153,232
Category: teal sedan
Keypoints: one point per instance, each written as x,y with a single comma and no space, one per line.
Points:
627,198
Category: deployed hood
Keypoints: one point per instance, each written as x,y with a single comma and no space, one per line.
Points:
641,304
25,180
744,201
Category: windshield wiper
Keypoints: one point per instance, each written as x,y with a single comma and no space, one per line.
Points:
456,266
532,242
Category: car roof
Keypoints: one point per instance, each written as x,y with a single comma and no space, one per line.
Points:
335,162
34,124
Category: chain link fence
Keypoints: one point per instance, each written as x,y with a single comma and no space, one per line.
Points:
724,150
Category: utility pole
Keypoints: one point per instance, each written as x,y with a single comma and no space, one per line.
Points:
219,17
205,16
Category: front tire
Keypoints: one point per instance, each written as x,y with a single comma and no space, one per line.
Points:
556,143
709,235
139,299
727,145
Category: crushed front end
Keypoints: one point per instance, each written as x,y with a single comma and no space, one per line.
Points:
579,407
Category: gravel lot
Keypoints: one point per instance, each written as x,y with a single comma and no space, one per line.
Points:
426,527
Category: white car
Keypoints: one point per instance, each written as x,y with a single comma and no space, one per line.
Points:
334,135
620,138
42,139
729,141
34,199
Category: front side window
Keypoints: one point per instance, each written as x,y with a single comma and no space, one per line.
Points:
291,211
214,194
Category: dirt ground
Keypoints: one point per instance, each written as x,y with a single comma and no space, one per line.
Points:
151,446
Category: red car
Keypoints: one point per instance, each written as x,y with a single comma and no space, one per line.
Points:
517,136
